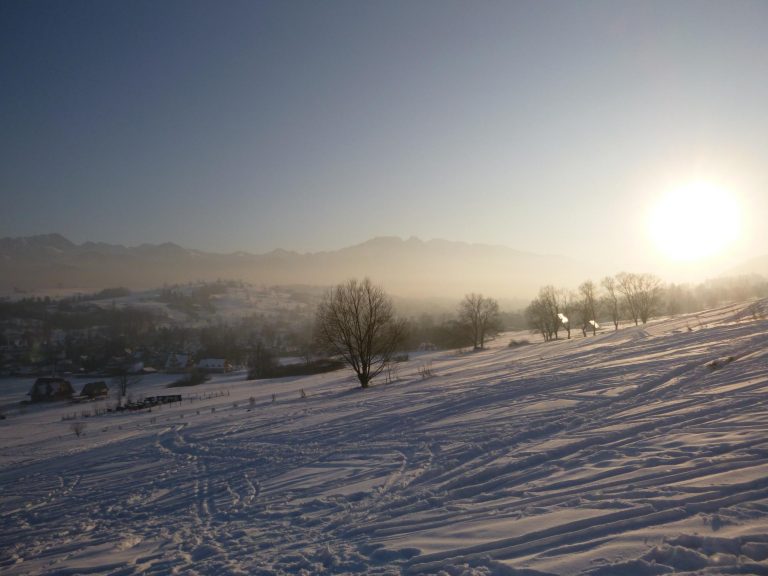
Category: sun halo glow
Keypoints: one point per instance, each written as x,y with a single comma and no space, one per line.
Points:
694,221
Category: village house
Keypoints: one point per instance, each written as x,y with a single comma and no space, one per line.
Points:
51,388
214,365
178,363
93,390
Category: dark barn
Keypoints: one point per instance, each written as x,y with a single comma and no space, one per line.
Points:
51,388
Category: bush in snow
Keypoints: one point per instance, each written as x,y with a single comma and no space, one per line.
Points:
78,428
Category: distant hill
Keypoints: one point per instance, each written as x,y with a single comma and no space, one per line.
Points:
413,267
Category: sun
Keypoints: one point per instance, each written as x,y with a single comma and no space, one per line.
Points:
695,221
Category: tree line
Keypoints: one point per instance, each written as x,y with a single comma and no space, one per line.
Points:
356,320
636,296
632,297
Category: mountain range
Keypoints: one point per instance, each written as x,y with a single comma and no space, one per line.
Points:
412,267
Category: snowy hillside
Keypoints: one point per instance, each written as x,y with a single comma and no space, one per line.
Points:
627,453
219,303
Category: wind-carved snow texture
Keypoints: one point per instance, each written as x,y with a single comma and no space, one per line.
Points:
627,453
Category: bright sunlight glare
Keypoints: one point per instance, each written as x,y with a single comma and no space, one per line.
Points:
695,221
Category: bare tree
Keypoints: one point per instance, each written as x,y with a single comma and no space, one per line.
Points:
536,316
301,339
567,306
641,294
649,296
543,313
125,380
626,283
78,427
356,321
551,300
588,293
611,300
261,362
481,316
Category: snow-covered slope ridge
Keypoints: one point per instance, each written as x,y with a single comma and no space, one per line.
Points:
627,453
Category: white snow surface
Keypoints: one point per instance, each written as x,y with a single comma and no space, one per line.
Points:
626,453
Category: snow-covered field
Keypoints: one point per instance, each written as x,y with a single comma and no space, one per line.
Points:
623,453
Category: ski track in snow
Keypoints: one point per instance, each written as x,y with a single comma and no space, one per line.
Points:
622,453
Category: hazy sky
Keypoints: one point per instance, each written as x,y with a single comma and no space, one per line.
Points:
545,126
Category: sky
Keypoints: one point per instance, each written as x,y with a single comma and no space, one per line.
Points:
546,126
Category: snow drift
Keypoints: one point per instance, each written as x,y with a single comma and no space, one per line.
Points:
619,454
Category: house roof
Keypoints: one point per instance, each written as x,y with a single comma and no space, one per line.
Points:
211,363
